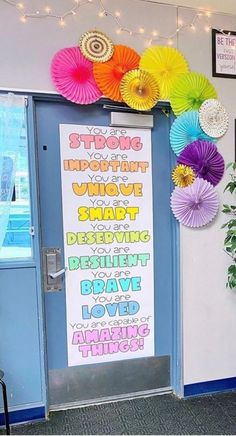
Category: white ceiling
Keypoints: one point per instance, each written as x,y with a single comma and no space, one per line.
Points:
226,6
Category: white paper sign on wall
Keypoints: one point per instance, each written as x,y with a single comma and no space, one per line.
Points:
224,54
108,242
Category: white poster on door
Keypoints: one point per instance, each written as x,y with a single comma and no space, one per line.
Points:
108,242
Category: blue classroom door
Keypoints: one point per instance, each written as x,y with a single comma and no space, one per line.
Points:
88,383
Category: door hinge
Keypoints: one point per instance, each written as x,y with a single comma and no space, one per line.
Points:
32,231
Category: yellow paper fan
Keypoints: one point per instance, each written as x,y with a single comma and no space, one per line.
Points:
166,64
139,90
183,176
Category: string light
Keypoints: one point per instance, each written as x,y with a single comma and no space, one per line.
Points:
207,28
152,36
148,42
62,22
23,19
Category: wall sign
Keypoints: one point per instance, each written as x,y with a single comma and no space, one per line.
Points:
108,242
223,54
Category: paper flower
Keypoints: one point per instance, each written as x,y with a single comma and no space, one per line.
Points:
183,176
196,205
190,91
203,157
108,75
139,90
72,75
166,64
186,129
96,46
213,118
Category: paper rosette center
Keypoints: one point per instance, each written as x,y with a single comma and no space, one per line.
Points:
140,89
184,177
81,74
166,72
203,168
215,117
195,100
196,204
119,71
96,45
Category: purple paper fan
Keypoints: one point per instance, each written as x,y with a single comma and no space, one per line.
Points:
202,156
196,205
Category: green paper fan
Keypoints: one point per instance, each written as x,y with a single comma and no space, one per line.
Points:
190,91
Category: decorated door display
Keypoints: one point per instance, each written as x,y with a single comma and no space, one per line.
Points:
108,242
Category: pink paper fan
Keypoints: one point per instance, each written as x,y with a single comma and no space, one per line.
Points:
72,75
196,205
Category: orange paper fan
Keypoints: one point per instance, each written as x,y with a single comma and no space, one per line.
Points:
108,75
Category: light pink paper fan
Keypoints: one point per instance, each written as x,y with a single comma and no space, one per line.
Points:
72,75
196,205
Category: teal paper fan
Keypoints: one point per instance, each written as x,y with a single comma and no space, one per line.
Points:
186,129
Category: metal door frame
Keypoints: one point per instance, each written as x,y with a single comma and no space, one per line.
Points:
177,352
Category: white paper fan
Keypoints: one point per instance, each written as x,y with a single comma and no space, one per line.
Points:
213,118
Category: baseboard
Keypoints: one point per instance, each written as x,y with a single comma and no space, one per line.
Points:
208,387
25,415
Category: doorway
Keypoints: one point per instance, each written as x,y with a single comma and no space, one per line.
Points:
106,379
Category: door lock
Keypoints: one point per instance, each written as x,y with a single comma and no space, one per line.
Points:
52,269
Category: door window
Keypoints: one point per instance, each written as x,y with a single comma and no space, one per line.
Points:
15,212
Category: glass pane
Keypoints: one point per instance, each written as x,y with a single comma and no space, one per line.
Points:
18,241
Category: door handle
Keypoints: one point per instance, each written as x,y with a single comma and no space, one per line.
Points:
52,269
58,273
